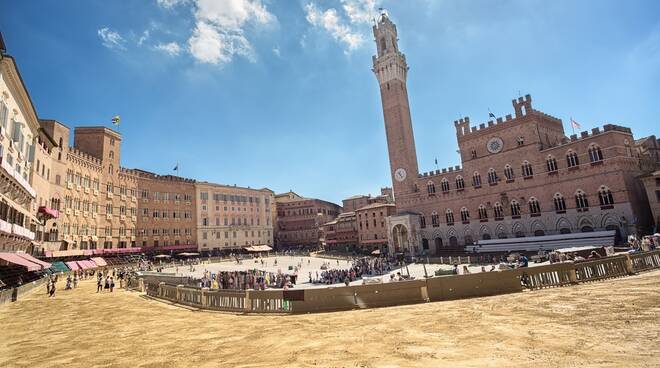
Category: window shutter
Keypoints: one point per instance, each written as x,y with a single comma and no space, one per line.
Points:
31,153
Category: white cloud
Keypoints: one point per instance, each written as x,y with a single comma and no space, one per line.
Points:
172,48
168,4
276,51
219,29
111,39
360,11
330,21
144,37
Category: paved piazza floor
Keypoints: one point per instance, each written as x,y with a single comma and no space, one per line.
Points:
614,323
309,264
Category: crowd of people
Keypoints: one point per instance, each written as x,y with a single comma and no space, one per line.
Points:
364,266
247,280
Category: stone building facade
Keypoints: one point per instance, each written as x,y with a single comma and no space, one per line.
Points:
652,186
231,217
520,175
341,232
300,220
95,196
167,210
19,130
372,224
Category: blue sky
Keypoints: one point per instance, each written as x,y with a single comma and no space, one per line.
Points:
280,93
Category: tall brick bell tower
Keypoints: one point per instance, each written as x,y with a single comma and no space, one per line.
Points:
391,70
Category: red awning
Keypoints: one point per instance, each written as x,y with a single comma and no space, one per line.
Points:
73,265
99,261
179,247
15,259
28,257
49,211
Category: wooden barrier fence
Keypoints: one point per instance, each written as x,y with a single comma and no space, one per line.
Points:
404,292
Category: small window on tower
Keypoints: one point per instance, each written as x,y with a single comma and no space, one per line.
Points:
383,46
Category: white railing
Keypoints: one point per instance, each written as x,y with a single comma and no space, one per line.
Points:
21,231
24,183
5,226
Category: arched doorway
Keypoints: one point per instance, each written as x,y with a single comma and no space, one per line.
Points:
617,233
400,237
425,244
564,230
485,236
453,241
587,229
438,245
520,234
468,240
539,233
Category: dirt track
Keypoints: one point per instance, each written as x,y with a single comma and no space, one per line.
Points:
614,323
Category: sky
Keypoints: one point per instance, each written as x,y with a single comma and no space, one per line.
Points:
280,93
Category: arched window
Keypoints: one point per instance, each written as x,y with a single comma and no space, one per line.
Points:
460,184
110,169
465,214
551,163
581,201
422,222
449,216
498,210
572,158
430,188
112,154
445,185
435,219
476,179
534,206
595,154
560,203
483,214
492,176
508,172
515,208
605,196
527,169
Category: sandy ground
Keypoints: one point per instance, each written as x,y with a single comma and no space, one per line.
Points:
615,323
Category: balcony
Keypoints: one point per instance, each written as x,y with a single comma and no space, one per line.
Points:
5,227
17,176
21,231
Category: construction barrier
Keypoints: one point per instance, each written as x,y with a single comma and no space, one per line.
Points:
441,288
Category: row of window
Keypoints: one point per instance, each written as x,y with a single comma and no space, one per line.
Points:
234,221
165,196
234,234
92,230
605,198
204,196
88,206
306,211
164,231
166,214
526,169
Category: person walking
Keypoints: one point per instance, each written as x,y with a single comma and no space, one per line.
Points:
99,285
52,289
112,283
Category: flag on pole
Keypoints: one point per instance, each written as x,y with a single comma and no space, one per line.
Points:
436,160
491,115
574,124
116,120
176,168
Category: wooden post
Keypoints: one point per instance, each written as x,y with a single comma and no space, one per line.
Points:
178,293
160,289
629,265
204,297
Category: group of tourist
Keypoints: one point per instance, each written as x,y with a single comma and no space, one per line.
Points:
247,280
364,266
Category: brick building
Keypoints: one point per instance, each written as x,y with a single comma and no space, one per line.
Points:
231,217
166,210
652,186
300,220
341,232
520,175
95,196
372,224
